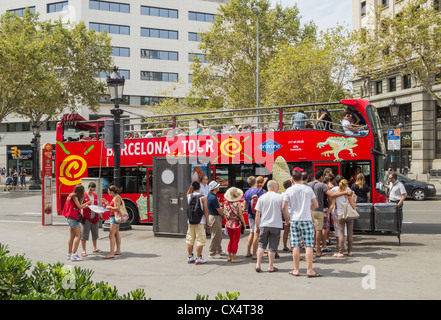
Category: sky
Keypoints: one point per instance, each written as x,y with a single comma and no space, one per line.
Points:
325,13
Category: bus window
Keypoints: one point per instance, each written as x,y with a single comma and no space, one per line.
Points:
133,179
222,177
106,174
335,168
350,170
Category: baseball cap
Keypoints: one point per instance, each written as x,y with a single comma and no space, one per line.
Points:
213,185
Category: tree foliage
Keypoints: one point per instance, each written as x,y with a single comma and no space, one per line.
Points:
317,69
228,78
408,42
47,66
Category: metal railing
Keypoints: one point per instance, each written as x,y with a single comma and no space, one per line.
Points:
235,121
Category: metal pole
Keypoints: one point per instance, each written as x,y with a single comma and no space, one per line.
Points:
257,76
116,111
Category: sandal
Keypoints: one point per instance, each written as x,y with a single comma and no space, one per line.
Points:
97,251
258,269
84,254
274,270
294,273
315,275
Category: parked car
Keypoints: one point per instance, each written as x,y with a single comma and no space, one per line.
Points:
417,190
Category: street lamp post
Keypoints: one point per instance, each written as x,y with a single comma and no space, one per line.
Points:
115,85
36,181
394,108
257,13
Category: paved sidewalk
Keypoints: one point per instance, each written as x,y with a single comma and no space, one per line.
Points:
379,269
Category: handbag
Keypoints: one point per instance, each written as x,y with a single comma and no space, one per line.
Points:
349,212
121,215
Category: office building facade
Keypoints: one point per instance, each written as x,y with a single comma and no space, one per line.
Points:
153,40
419,113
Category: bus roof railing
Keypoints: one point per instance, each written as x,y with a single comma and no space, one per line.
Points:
173,122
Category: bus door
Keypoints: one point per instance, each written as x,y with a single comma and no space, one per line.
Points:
149,194
322,166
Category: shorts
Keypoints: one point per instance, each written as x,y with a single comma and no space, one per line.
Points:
72,223
196,235
302,229
88,227
252,224
112,220
318,216
270,237
326,222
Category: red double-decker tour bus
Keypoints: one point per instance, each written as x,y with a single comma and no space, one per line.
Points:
239,143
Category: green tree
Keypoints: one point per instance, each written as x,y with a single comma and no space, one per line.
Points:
228,75
47,67
408,42
311,71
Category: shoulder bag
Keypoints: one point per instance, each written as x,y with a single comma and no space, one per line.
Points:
121,215
349,212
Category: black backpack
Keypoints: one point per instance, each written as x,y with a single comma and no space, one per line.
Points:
194,209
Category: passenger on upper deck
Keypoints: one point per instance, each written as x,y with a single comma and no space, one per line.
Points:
324,119
348,126
151,134
298,120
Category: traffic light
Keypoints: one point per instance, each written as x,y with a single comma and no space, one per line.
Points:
15,152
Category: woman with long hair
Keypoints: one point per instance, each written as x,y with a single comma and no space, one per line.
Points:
71,211
341,221
114,206
361,189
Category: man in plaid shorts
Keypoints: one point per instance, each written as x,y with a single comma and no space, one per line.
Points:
302,201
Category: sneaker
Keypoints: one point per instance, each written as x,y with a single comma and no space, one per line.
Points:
216,256
199,260
75,257
190,259
69,255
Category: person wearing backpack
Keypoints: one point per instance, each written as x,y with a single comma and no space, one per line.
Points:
197,210
251,196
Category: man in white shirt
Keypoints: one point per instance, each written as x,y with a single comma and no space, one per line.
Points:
347,125
268,224
302,201
397,193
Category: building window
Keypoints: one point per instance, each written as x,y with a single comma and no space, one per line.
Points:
56,7
159,54
159,12
122,72
392,84
121,52
159,33
363,8
198,16
384,3
159,76
110,28
193,36
20,12
109,6
407,81
18,126
379,87
193,56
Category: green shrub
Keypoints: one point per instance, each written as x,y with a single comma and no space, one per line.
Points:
52,282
